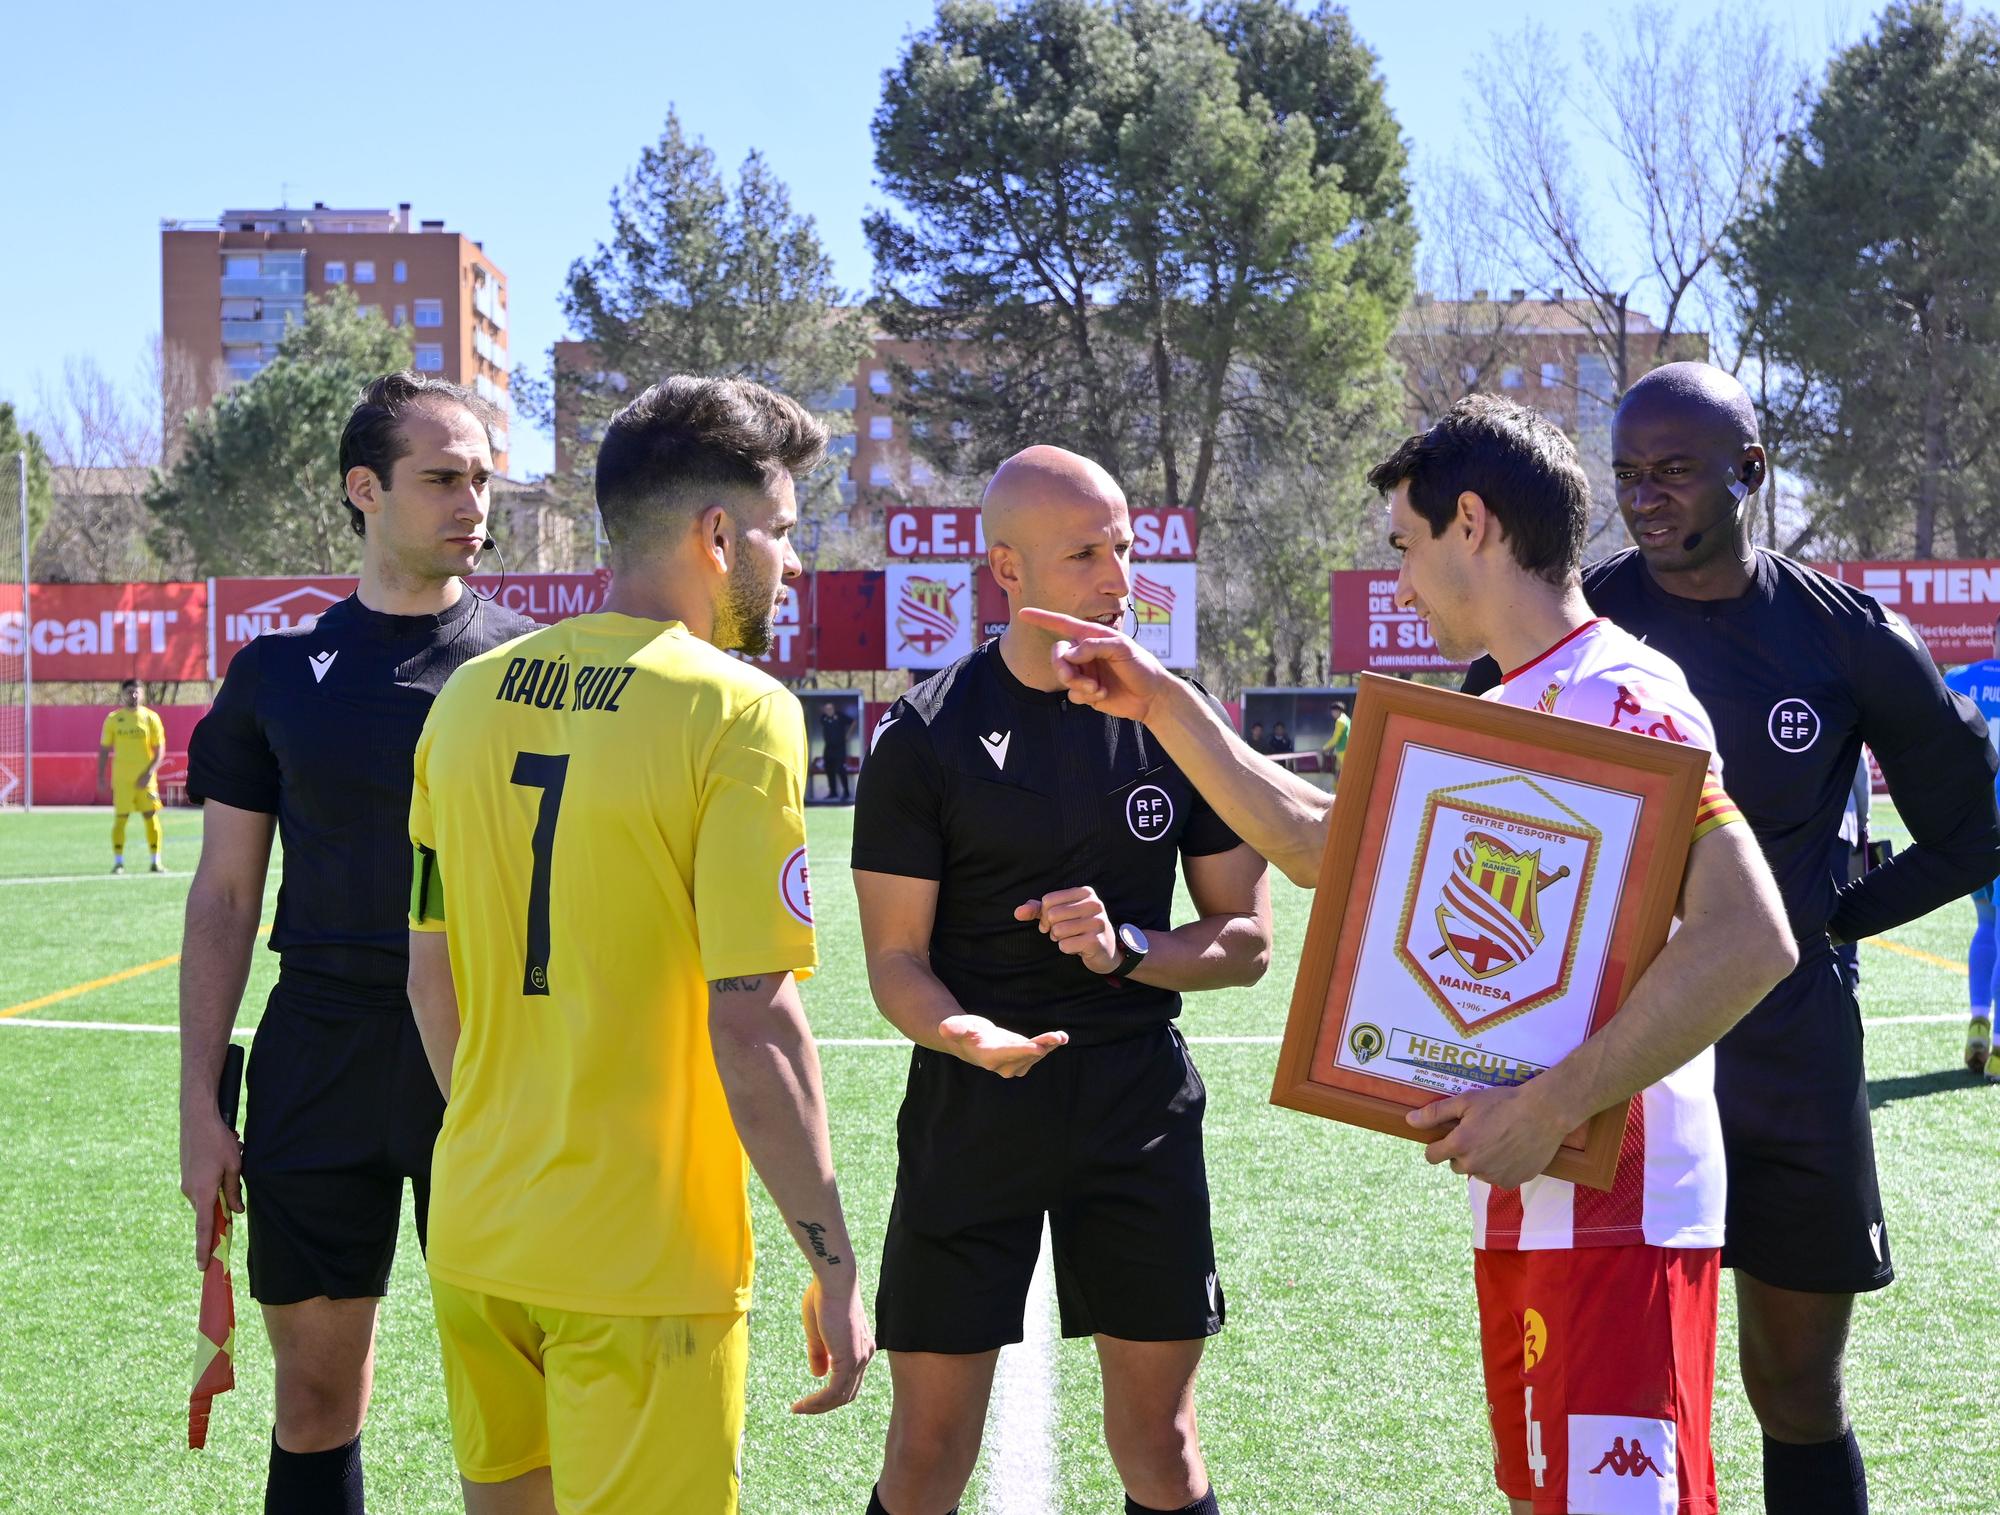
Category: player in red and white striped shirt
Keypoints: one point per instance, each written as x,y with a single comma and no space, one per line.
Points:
1597,1309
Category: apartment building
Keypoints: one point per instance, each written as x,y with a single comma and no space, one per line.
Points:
229,286
1549,353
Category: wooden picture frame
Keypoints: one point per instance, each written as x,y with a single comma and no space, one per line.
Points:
1431,895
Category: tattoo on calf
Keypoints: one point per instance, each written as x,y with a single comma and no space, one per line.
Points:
736,985
816,1236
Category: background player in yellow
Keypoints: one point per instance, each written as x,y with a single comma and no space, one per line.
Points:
610,907
134,742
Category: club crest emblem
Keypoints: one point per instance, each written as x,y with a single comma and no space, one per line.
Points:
1487,873
1496,899
926,618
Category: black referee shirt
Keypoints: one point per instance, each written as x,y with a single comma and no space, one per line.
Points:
1796,673
1003,794
317,727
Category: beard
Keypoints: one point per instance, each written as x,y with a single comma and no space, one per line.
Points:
748,610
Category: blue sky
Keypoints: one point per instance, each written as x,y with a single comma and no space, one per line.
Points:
511,121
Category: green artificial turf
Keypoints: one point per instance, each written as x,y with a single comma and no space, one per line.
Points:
1347,1380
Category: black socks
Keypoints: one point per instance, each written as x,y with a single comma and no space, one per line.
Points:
314,1483
876,1507
1205,1505
1825,1476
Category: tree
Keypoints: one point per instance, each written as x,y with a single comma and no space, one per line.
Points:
1158,238
256,488
1694,122
1874,267
697,279
103,449
1454,339
14,439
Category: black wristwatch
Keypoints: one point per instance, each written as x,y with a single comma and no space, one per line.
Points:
1136,946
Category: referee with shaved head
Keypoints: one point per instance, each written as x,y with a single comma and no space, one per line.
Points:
1797,671
1015,856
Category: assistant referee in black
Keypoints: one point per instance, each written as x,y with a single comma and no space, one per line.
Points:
1015,860
1796,671
312,735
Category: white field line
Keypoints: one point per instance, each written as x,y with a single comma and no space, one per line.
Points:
874,1041
106,877
109,1026
1020,1425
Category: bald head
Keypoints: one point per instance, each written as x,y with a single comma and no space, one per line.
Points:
1058,534
1685,459
1697,395
1040,482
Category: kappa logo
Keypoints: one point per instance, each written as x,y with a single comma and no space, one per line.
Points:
321,661
996,744
1534,1339
1149,812
1794,725
1624,1464
1627,1462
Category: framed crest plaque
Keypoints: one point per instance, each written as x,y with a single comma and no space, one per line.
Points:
1495,880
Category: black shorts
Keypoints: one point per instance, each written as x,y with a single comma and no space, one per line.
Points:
342,1109
1106,1141
1805,1211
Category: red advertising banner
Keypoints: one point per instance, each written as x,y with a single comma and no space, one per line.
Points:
990,604
109,631
1370,634
246,608
1952,606
850,631
953,532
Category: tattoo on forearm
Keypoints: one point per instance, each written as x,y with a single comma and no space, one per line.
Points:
736,985
816,1237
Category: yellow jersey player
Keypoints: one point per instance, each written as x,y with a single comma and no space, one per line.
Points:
134,742
610,908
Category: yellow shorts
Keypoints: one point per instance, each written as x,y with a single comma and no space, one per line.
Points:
126,797
628,1412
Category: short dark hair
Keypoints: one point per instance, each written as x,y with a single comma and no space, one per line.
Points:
373,436
125,684
1517,461
685,436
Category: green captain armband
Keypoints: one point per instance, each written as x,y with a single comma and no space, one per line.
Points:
426,887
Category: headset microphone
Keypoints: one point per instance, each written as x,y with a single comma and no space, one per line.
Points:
486,545
1738,492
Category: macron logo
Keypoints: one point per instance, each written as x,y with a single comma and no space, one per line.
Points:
996,747
321,661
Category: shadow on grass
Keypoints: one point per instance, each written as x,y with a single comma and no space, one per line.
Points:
1886,1091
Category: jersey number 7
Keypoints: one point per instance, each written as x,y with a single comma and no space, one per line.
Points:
539,770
